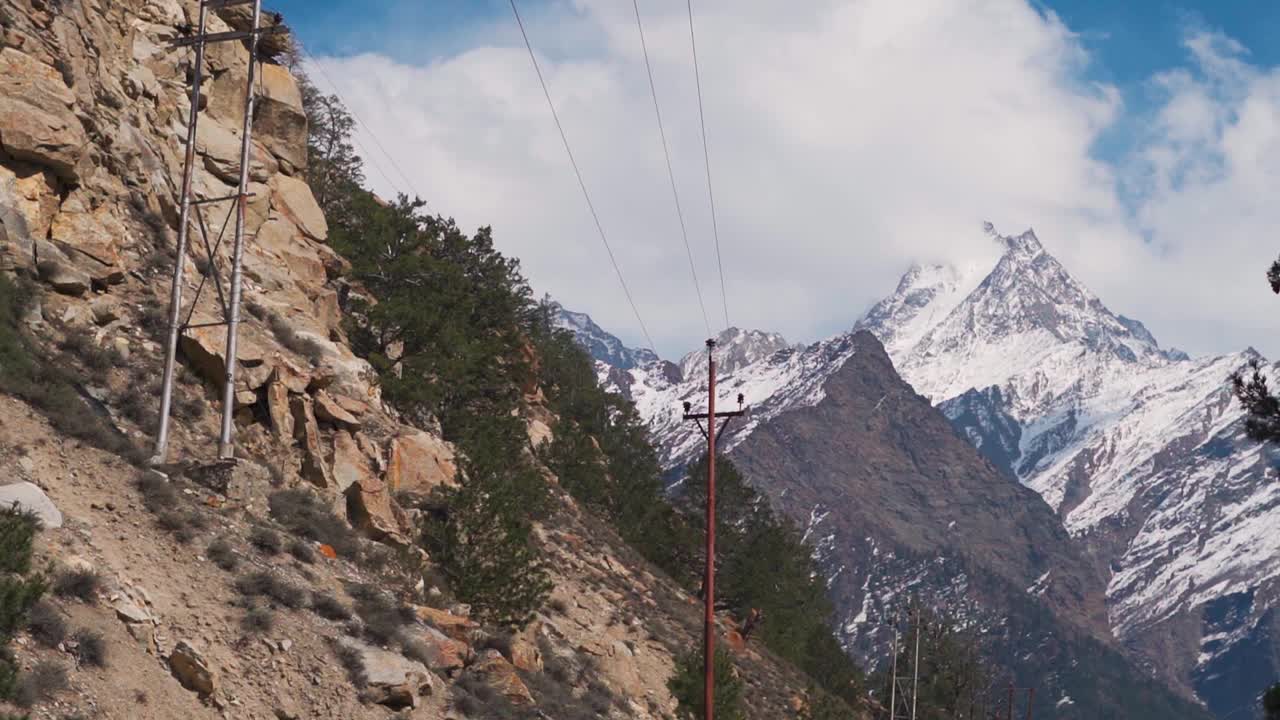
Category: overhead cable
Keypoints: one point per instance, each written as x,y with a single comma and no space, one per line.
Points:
578,173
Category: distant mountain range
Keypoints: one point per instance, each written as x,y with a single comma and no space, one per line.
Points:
1157,528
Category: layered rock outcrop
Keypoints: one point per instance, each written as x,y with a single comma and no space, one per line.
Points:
94,106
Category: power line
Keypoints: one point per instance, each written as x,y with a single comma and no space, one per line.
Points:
666,152
706,156
578,173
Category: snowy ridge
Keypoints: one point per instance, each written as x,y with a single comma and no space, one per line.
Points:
603,346
771,375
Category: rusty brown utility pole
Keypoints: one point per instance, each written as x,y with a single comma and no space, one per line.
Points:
709,580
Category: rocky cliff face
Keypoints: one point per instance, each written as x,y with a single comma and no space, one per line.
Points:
201,613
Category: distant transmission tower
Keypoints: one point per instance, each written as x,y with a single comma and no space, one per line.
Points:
904,690
230,305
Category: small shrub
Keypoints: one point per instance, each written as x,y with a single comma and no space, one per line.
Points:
266,540
91,354
258,621
305,516
82,584
157,493
190,407
222,554
270,585
302,550
559,605
91,647
17,534
45,680
329,607
141,409
176,522
599,697
384,619
46,625
353,663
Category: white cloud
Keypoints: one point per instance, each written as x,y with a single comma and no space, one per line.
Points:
847,140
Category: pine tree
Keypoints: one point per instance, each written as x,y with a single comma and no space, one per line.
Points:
688,685
485,549
1271,702
951,672
19,589
1250,387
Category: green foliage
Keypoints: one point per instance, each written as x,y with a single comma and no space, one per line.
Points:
952,675
450,307
1271,702
20,590
17,533
602,455
823,706
447,336
688,685
333,168
485,546
765,570
1252,391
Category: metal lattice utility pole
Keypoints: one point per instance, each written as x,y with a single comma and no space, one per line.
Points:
899,684
709,580
231,310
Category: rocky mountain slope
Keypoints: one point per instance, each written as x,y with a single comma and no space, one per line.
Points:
1138,448
282,585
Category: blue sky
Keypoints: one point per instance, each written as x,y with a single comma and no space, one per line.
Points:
1129,40
1140,138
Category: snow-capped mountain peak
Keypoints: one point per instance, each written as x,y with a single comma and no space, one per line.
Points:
602,345
735,349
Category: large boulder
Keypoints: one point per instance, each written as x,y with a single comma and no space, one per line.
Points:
205,348
285,255
28,497
350,465
315,468
37,123
421,462
456,627
279,118
220,147
390,679
95,233
525,653
192,670
373,512
292,198
502,676
331,411
440,652
56,269
28,204
278,411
